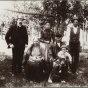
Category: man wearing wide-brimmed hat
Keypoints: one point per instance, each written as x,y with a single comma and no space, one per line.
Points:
17,38
75,42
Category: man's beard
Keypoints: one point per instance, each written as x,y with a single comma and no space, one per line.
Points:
75,25
20,24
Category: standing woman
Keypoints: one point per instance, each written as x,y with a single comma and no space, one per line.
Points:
75,42
46,38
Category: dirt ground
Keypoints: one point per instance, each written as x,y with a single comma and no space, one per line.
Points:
8,81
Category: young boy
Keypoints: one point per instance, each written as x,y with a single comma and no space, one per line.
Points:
62,62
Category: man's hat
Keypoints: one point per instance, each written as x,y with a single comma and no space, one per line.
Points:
64,46
58,35
20,17
75,18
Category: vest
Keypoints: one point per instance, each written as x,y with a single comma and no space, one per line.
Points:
74,42
74,37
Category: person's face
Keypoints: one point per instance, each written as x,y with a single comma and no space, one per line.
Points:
57,39
35,43
64,50
50,51
19,22
47,25
75,23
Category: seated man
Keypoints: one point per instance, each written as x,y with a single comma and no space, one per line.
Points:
61,64
33,62
52,50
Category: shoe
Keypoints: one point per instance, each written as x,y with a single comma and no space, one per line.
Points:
60,71
13,75
31,81
63,81
2,78
49,81
75,73
69,72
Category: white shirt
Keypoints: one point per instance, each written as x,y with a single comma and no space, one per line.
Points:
75,31
86,23
61,54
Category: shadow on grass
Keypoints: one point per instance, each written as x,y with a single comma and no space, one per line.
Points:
5,71
20,81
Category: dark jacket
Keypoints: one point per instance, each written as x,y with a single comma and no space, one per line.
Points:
17,35
47,35
55,49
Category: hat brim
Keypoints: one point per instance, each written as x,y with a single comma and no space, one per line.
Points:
63,47
20,18
58,35
74,19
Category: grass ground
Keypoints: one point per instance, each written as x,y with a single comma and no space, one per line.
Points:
20,81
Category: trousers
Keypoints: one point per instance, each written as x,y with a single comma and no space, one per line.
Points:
74,51
63,73
75,60
17,53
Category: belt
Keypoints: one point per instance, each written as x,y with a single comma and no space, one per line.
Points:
76,41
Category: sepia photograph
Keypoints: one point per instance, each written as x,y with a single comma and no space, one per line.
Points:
43,43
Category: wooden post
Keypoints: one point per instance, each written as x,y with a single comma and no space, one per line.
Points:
83,37
86,35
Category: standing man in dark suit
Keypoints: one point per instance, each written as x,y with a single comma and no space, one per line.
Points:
75,42
17,39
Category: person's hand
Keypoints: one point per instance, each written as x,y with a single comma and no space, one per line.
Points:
70,62
11,46
80,49
55,64
68,47
26,45
42,58
38,58
31,60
